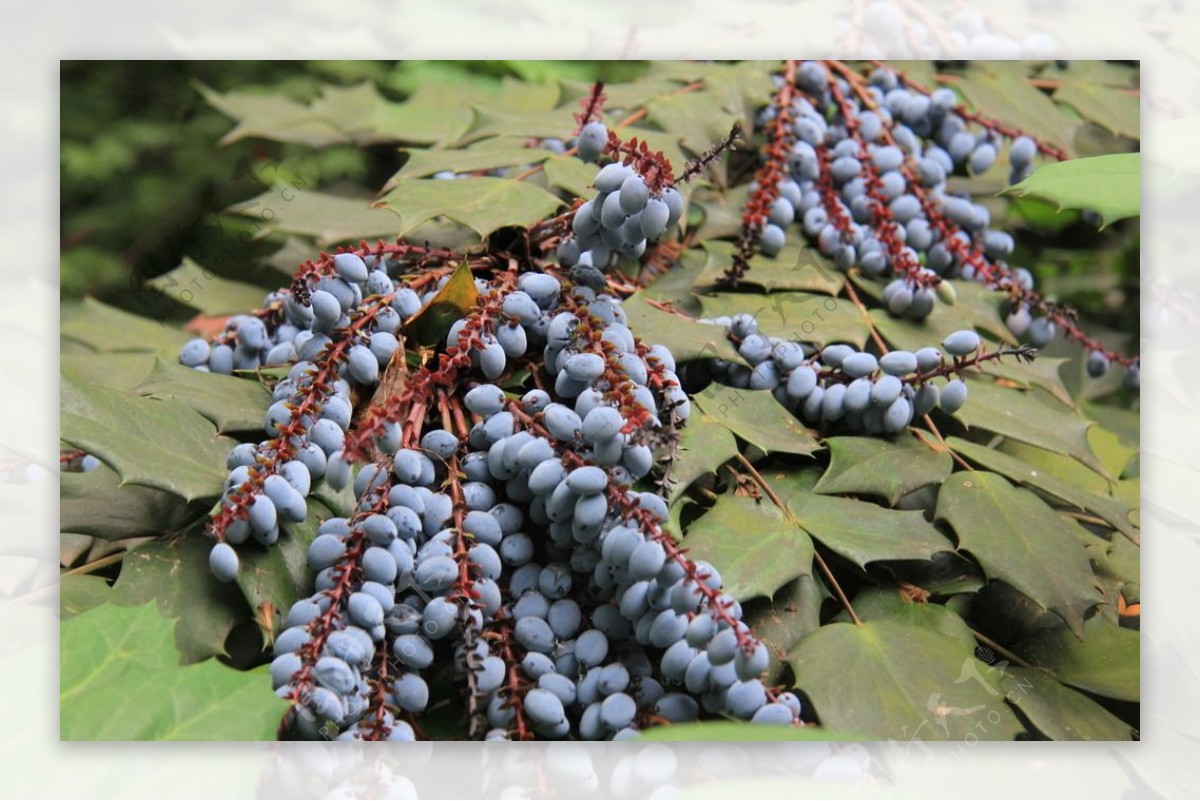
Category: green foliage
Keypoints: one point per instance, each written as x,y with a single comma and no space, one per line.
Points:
231,404
155,443
1108,185
896,680
110,652
1020,540
1001,90
757,546
481,204
1013,522
889,470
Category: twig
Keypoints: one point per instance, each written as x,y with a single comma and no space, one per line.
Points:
92,567
932,427
853,296
833,583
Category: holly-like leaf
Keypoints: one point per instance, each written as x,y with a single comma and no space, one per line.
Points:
721,220
202,289
698,119
756,417
1021,472
1043,372
1106,661
782,621
898,681
888,604
481,204
1107,106
329,219
490,154
96,503
704,445
121,680
741,87
570,174
754,545
1005,94
889,469
232,404
104,328
863,532
122,371
795,268
1059,712
155,443
79,593
273,116
1118,565
1108,185
685,338
1022,416
437,112
341,115
1019,540
173,571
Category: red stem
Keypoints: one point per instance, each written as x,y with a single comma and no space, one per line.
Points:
774,169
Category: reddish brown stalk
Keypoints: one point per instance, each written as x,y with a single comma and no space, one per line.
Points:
697,165
591,106
653,166
957,366
648,524
513,682
620,387
346,575
463,592
409,406
830,201
284,447
774,169
372,725
900,257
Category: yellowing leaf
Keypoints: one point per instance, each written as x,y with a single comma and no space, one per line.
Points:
454,300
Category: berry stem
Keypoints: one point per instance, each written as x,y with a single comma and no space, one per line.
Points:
773,170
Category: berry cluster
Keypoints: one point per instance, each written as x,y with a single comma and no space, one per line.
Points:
507,541
629,210
344,334
840,385
864,176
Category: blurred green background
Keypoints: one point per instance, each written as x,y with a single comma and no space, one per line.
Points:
144,178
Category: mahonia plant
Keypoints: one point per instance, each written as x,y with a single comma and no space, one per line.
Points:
506,519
